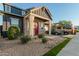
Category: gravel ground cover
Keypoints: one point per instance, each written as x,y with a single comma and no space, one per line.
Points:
33,48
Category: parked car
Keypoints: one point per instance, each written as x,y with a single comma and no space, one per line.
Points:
65,30
70,30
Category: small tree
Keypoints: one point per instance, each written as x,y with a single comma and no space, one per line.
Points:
44,40
25,39
41,35
13,32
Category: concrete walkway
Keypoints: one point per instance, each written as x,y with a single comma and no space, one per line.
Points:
72,48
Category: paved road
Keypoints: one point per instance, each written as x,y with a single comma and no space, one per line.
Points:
72,48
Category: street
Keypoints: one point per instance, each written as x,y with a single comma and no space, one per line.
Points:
72,48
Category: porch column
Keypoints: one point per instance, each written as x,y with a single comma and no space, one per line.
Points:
31,25
6,25
25,27
50,27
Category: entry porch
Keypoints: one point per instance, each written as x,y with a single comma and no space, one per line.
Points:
34,25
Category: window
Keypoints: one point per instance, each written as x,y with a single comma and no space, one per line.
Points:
1,7
7,8
14,22
23,13
1,19
16,11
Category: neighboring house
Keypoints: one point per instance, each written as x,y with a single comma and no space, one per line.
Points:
32,21
58,26
64,29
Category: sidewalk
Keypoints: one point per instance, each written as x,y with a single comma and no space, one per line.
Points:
72,48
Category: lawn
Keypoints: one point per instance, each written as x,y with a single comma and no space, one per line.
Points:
57,49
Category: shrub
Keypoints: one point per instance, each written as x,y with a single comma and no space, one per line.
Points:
77,30
13,32
40,35
44,40
25,39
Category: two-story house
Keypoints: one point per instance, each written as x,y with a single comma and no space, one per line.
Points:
32,21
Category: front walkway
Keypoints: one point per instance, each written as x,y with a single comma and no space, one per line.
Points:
72,48
32,48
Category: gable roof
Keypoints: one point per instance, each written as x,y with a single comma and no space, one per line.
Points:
36,8
47,10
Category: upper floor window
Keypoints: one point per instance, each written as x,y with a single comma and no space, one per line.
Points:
11,9
16,11
23,12
1,7
1,19
7,8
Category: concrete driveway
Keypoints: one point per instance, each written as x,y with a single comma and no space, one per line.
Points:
72,48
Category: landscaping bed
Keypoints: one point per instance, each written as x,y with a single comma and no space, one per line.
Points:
33,48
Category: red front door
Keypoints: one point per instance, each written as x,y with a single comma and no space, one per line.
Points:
36,28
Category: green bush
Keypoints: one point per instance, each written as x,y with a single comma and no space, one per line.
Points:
44,40
25,39
40,35
13,32
77,30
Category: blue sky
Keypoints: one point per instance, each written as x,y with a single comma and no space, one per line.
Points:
59,11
